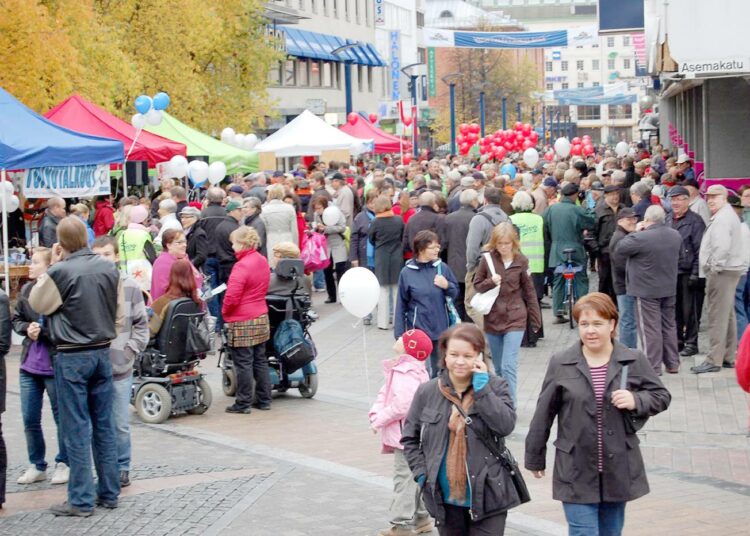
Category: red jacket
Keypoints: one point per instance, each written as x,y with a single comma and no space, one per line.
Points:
742,364
245,297
104,218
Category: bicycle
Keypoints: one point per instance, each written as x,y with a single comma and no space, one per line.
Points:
569,270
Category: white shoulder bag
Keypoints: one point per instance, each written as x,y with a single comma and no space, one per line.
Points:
482,302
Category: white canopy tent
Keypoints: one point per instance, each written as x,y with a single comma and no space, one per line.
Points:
309,135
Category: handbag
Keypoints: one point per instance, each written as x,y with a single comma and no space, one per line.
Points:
450,307
198,337
482,302
501,452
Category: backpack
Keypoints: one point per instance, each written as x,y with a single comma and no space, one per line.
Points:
293,348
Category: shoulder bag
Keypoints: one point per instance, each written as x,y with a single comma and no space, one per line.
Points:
482,302
450,308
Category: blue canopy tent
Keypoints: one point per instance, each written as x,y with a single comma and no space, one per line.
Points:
28,140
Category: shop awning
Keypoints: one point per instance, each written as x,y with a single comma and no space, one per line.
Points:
307,44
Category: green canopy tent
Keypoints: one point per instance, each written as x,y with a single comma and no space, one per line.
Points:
200,144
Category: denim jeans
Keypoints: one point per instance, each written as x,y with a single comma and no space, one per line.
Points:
211,269
84,396
32,400
626,308
121,414
597,519
742,305
319,280
504,349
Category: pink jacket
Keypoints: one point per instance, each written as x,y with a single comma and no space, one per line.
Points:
402,378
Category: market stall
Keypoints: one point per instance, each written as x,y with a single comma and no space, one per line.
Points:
384,142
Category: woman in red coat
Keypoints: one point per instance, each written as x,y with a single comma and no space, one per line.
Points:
245,315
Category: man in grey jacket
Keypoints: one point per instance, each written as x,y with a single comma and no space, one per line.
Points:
454,243
722,260
652,254
130,341
480,229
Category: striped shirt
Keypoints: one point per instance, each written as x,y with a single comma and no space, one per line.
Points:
599,380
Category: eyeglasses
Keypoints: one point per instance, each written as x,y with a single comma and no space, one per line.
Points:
183,241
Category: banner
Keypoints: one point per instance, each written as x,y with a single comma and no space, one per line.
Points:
379,12
431,72
395,60
69,181
435,37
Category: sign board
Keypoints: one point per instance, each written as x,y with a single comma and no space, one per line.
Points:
277,37
556,55
432,71
316,106
437,37
379,12
723,65
620,16
68,181
395,62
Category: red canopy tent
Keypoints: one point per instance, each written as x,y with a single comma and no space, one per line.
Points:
384,142
76,113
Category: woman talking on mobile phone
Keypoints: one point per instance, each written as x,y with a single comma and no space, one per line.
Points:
466,488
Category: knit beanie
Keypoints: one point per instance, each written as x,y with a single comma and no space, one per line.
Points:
417,344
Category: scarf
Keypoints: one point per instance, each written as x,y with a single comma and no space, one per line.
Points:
386,214
455,460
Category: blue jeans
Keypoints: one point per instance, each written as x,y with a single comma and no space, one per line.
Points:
211,269
32,400
742,305
626,308
84,396
121,414
505,350
597,519
319,280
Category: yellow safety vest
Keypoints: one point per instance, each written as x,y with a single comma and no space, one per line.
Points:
531,230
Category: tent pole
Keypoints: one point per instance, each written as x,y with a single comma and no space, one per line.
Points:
124,175
6,266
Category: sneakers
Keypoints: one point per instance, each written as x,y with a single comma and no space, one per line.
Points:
423,526
705,367
111,505
234,408
67,510
32,475
689,351
124,479
397,530
560,319
61,474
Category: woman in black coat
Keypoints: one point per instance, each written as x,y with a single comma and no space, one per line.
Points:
386,233
465,487
601,393
251,209
197,239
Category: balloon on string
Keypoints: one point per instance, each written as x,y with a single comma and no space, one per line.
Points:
576,150
8,188
531,157
549,156
238,140
198,171
407,159
407,120
509,169
161,101
216,172
621,149
373,118
143,103
331,215
138,121
227,135
352,118
576,141
359,291
251,141
178,165
12,203
562,147
154,117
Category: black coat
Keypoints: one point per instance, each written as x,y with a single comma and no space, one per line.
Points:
691,228
425,440
652,256
618,262
425,219
358,240
211,217
256,222
568,395
197,246
454,240
385,234
48,230
222,244
606,223
5,329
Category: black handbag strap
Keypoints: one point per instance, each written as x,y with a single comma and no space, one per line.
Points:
483,436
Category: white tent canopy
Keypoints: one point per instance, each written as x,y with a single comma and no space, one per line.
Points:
309,135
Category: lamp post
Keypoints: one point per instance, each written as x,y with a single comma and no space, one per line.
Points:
413,83
505,111
481,113
450,79
544,125
518,112
347,75
551,125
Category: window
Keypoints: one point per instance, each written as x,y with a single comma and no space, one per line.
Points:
579,65
589,113
327,79
626,63
548,66
325,8
611,64
346,9
595,65
274,75
565,85
301,5
626,40
564,65
595,84
549,86
620,111
610,41
369,79
356,11
420,19
335,12
367,13
290,72
360,77
314,5
302,77
580,84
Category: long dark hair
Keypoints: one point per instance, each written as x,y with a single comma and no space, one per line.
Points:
182,282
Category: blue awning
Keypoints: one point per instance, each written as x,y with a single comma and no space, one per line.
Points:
306,44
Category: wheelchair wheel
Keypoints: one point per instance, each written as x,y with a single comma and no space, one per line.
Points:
229,382
309,387
153,403
204,397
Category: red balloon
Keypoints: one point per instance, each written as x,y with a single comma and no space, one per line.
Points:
373,118
407,158
460,139
576,149
407,120
508,146
464,147
549,155
586,139
588,149
519,136
526,128
472,137
500,153
475,128
463,128
575,141
534,136
527,144
352,118
518,125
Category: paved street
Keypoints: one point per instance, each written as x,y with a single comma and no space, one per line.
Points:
312,467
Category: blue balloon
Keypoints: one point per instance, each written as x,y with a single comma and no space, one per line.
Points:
161,101
195,184
143,104
509,169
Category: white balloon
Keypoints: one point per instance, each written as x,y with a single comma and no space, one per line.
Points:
359,291
331,215
227,135
178,166
198,171
13,203
8,188
153,117
562,147
216,172
531,157
138,121
251,141
622,148
238,140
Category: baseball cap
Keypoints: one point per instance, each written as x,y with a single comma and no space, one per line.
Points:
734,201
550,182
611,188
478,176
537,171
467,182
683,158
337,177
717,189
690,182
626,212
232,205
607,172
190,211
598,186
569,189
236,188
674,191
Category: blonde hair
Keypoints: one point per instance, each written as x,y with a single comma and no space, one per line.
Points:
276,192
44,253
287,250
246,236
504,230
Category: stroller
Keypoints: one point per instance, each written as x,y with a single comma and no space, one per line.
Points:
166,380
285,373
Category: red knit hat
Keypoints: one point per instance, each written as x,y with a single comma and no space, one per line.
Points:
417,344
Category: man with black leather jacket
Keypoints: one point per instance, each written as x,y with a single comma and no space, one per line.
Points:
82,297
5,328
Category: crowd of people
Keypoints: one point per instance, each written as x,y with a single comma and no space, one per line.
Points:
437,233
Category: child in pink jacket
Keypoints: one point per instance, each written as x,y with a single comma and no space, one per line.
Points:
404,373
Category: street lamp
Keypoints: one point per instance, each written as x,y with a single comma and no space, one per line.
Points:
347,74
450,79
413,86
505,111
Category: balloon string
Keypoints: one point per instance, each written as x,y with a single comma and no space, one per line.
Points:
135,140
367,367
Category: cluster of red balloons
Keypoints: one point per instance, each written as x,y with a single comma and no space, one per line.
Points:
502,142
581,146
